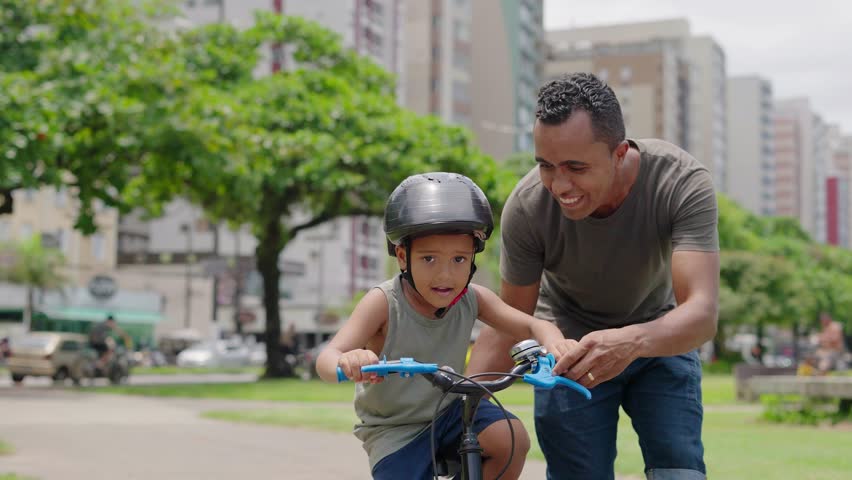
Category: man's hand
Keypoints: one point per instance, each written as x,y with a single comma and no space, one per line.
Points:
598,357
561,348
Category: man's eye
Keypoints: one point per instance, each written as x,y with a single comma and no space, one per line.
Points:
459,259
545,166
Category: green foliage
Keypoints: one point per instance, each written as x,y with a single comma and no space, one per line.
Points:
798,410
81,83
28,263
773,273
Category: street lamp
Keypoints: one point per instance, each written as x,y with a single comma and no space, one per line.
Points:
186,228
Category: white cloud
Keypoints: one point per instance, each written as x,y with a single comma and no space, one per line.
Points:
803,47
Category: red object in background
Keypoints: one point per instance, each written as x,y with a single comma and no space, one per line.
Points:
831,211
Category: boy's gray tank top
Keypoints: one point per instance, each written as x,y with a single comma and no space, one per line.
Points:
393,412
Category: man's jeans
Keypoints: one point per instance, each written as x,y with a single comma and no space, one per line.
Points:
661,395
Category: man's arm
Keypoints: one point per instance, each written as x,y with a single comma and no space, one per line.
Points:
490,353
606,353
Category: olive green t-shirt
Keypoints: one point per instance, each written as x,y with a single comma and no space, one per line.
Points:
599,273
395,411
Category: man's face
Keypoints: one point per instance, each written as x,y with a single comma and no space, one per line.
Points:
440,265
578,170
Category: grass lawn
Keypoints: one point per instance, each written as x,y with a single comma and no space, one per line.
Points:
737,445
173,370
718,390
5,448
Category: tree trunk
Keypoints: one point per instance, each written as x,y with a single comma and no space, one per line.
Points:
268,250
28,309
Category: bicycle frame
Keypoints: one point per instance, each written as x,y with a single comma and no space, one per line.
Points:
528,356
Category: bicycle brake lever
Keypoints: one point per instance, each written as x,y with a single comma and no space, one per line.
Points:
543,377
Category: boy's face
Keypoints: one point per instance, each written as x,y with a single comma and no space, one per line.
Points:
440,265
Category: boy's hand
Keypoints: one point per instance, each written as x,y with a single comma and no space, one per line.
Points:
561,347
352,361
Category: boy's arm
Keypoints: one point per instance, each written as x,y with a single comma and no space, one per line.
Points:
517,324
368,318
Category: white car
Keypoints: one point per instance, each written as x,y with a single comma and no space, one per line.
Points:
222,353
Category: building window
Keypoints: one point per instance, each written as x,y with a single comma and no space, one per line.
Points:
626,74
98,247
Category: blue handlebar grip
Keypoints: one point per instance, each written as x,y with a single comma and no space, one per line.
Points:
543,377
341,377
406,367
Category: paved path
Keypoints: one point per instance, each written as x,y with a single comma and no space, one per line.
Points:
64,435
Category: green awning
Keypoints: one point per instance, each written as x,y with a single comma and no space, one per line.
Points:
84,314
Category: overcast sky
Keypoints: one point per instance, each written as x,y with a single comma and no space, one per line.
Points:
803,47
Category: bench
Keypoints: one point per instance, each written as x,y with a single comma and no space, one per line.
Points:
839,387
744,372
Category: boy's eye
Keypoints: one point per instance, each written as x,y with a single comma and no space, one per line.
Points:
428,258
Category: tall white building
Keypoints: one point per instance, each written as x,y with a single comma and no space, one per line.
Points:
751,176
680,94
802,162
438,59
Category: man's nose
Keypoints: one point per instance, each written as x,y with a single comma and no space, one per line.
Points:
562,183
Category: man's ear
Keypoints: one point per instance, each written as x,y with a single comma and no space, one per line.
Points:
400,257
621,150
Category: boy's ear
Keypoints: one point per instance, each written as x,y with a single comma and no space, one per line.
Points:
400,257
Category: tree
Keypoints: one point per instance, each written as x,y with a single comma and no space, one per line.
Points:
82,84
30,264
289,151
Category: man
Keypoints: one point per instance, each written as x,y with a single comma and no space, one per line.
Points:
831,349
100,338
615,241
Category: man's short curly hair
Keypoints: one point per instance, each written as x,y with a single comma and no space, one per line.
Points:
558,99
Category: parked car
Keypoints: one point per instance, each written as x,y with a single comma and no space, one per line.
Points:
222,353
48,354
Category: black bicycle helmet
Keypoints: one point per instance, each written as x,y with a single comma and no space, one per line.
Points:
434,203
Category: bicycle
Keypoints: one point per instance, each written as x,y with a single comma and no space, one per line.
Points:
528,356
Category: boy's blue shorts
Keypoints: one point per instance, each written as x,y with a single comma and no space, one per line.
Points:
414,460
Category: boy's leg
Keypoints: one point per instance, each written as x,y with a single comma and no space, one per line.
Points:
414,460
664,404
577,436
496,441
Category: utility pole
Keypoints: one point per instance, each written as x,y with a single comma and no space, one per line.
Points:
216,275
187,229
238,326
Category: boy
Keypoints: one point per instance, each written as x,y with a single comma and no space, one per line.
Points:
435,224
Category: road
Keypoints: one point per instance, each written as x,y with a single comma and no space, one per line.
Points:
65,435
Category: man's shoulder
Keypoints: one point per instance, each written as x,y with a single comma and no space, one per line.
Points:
664,156
529,191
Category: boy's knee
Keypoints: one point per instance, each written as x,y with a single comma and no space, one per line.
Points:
497,442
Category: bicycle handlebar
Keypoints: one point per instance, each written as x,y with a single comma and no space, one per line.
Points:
541,376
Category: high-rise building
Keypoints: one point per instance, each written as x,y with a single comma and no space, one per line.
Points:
438,59
802,161
370,27
507,58
649,78
838,212
751,177
682,102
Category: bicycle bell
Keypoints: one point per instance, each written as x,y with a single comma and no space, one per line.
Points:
525,349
